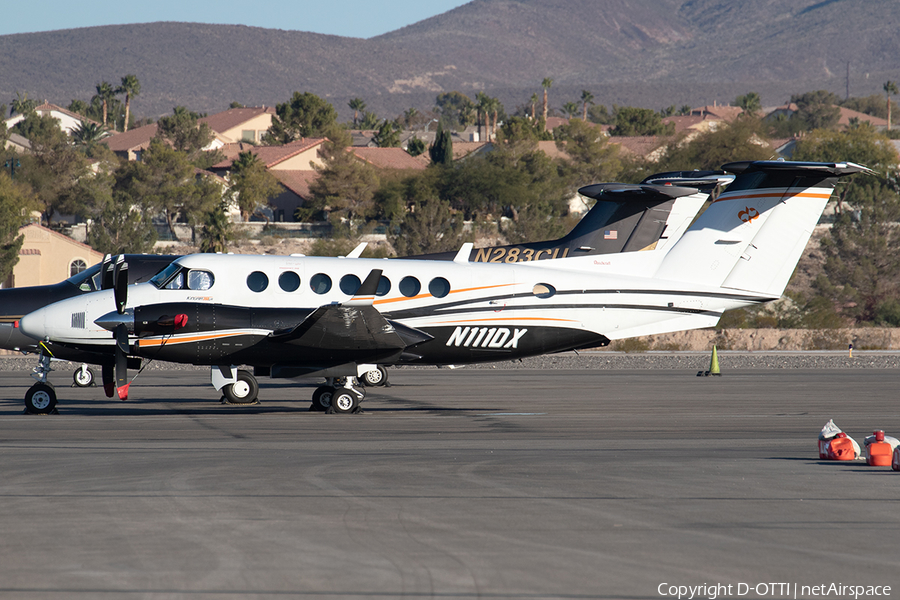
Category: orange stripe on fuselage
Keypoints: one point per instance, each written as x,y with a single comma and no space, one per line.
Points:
459,291
149,342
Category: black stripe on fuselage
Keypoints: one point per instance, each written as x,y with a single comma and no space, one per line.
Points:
448,307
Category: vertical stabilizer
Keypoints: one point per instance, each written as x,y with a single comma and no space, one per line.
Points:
752,236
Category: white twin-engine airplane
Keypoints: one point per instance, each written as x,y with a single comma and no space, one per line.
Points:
297,316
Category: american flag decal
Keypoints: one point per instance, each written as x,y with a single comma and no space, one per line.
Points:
610,234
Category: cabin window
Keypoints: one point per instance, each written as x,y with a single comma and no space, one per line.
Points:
320,283
439,287
289,281
200,280
257,281
177,282
410,286
76,267
543,290
384,286
350,284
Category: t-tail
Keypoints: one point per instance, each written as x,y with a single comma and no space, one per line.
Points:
650,215
751,237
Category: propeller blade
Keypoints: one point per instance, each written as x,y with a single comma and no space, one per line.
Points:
122,361
109,382
120,285
106,275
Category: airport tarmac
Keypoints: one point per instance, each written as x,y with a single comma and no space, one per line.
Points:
471,483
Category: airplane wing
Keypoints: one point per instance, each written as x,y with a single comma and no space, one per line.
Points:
353,325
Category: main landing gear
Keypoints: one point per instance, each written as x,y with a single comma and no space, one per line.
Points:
377,377
338,395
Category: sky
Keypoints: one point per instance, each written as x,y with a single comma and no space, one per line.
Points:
349,18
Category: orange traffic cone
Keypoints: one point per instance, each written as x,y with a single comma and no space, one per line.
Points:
879,452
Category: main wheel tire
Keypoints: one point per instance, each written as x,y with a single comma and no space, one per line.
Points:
83,377
344,401
377,377
244,390
321,398
40,399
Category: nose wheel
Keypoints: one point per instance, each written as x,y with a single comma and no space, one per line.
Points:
243,391
40,399
83,377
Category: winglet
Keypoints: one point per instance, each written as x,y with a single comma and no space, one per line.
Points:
357,252
464,252
365,295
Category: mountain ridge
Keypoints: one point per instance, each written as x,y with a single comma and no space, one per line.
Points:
650,53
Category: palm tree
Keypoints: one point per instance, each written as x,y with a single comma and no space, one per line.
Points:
890,89
534,101
546,85
105,92
496,107
586,98
482,105
357,106
87,133
131,87
571,109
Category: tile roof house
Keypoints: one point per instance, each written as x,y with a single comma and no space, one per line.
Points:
390,158
68,120
130,144
241,124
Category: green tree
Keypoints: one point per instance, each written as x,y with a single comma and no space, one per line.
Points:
187,134
22,105
429,227
816,110
131,87
53,166
106,92
88,133
744,139
415,147
599,114
890,89
632,121
546,84
345,189
570,109
304,115
357,106
592,158
750,102
217,231
388,135
121,226
862,251
534,100
454,109
441,151
15,200
252,185
586,98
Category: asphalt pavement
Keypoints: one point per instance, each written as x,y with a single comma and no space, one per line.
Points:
467,483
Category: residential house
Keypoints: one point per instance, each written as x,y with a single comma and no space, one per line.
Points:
292,164
130,144
241,124
49,257
68,120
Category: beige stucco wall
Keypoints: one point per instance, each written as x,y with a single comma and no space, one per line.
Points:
301,162
46,257
260,124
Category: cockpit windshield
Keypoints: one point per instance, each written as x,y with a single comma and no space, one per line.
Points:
175,277
161,279
88,280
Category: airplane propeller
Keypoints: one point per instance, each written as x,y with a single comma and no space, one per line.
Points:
114,275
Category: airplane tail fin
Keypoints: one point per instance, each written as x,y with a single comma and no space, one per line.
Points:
751,237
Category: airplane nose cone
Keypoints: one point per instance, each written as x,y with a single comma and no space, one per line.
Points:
33,324
113,319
